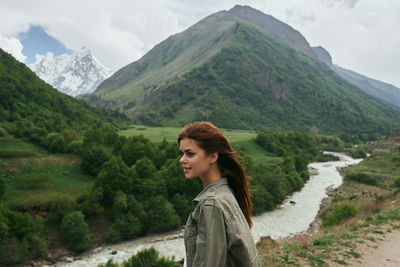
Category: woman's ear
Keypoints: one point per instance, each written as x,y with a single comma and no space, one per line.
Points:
213,157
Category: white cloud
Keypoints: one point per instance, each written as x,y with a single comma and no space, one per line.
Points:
13,46
360,35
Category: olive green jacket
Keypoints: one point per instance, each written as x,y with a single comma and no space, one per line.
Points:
216,232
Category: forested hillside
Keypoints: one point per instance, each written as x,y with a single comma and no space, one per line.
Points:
30,106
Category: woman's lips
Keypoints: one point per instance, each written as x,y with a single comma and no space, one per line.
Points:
186,169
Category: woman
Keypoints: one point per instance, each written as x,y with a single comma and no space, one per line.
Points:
217,232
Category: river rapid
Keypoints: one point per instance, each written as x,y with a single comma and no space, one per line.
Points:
292,217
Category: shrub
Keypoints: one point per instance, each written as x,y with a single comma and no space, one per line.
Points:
75,232
338,214
61,206
2,187
148,257
75,147
2,132
362,178
358,154
55,143
112,235
397,183
35,134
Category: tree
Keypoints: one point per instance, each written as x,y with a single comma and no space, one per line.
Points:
160,215
146,181
137,147
93,158
75,232
112,178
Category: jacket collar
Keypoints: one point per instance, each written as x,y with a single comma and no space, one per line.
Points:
209,190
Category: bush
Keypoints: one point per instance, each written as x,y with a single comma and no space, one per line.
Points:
75,147
112,235
55,143
35,134
145,258
397,183
75,232
358,154
338,214
362,178
2,132
61,206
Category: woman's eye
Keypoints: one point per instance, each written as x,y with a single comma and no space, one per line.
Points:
189,154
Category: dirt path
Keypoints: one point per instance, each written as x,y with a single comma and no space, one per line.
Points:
385,252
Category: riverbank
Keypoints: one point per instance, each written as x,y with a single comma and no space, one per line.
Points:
354,240
294,216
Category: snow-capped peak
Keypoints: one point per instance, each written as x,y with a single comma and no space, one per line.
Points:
76,74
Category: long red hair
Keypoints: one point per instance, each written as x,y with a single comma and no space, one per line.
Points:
211,139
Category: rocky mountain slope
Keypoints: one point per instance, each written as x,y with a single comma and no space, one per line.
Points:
377,89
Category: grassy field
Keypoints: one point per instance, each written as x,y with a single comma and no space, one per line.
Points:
35,178
240,139
157,134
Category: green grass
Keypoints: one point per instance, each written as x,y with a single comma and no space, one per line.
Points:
385,168
11,147
157,134
39,179
242,140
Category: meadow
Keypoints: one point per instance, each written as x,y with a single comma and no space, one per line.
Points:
241,140
35,178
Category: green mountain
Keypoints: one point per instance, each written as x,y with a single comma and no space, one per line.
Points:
228,69
379,90
28,102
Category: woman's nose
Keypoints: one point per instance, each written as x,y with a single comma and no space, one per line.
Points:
182,159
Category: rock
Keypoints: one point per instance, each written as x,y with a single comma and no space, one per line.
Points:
68,259
97,249
113,252
292,202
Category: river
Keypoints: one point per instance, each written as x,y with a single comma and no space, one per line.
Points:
292,217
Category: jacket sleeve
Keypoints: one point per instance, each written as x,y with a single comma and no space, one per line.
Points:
211,243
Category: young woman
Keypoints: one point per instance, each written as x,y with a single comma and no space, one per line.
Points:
217,232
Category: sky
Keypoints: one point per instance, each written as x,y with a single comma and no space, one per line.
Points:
361,35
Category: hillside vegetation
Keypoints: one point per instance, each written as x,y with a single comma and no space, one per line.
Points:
358,216
115,188
247,85
29,106
229,70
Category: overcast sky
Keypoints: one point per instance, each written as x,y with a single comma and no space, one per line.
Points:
361,35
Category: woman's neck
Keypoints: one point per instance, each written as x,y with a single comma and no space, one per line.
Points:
213,175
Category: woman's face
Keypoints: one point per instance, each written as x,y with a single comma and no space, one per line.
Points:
194,160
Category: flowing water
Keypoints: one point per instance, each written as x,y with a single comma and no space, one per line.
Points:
294,216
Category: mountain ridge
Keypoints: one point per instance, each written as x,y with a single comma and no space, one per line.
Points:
381,91
76,74
252,80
